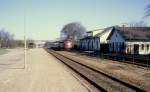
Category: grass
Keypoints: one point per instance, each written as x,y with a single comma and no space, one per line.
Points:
3,51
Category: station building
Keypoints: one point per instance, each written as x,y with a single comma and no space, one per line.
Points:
130,40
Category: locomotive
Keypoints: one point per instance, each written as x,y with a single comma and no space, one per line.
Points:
67,44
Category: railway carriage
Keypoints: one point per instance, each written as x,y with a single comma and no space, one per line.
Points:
55,46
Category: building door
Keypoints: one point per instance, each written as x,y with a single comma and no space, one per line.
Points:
136,49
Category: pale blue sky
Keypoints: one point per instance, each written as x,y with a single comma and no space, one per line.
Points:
45,18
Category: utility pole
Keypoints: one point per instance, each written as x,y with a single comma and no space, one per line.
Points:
124,25
25,43
132,46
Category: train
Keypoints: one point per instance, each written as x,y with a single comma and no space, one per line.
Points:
67,44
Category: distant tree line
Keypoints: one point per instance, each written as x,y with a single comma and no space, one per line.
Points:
7,40
137,24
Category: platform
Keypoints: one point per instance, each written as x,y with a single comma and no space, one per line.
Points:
43,73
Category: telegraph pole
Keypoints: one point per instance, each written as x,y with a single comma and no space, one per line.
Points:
124,25
25,43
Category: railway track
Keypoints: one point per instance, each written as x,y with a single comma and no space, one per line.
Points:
100,80
130,59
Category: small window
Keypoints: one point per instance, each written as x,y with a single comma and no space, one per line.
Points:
147,46
142,47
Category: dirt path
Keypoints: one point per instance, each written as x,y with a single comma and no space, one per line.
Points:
43,73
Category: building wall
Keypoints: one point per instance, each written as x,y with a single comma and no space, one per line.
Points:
104,36
116,43
89,34
98,31
93,33
92,44
144,47
83,44
96,44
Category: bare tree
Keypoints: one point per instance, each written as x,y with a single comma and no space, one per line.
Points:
6,39
72,31
137,24
147,11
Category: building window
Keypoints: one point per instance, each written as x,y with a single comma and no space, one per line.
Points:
142,47
147,46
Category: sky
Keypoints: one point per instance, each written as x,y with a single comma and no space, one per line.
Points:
44,19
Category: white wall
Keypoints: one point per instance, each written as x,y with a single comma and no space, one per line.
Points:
97,31
89,34
117,39
104,36
130,45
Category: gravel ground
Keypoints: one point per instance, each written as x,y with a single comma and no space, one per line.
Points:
43,73
130,73
102,81
12,59
3,51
